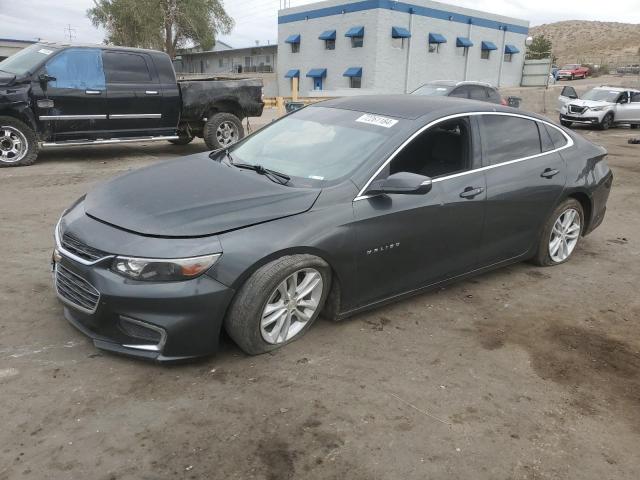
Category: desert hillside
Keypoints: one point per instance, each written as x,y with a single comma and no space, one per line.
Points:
592,42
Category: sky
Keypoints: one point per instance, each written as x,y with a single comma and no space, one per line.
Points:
256,20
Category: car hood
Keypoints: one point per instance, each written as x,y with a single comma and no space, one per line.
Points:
590,103
194,196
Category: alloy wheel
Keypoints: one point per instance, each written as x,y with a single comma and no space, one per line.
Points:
564,235
227,134
291,306
13,145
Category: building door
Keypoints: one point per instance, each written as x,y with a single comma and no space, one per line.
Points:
317,83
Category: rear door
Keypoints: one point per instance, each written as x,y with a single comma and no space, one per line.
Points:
525,178
134,95
629,111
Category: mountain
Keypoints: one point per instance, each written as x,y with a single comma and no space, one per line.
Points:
581,41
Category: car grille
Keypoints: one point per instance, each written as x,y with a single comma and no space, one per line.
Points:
76,290
72,245
576,109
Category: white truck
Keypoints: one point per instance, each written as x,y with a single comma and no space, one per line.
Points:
602,107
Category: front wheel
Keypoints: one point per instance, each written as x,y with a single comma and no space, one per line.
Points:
18,143
561,234
278,303
606,122
222,130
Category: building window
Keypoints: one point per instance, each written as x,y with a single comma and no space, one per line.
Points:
485,54
295,48
221,62
397,43
355,82
267,59
357,42
463,51
508,57
434,48
330,44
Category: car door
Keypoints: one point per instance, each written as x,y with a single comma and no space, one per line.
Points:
134,96
409,241
525,178
566,95
629,111
73,104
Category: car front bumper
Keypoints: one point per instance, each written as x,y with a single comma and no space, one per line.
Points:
168,321
584,119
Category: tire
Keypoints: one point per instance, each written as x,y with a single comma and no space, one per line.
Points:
544,257
18,143
215,128
246,322
183,139
607,122
635,126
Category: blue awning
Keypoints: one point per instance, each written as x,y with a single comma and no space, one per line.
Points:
292,74
463,42
317,73
293,38
511,49
400,32
489,46
328,35
437,38
353,72
355,32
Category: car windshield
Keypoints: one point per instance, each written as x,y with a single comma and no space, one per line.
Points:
26,60
600,95
433,89
316,143
570,67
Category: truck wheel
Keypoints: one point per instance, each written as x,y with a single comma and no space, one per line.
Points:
18,144
606,122
183,139
222,130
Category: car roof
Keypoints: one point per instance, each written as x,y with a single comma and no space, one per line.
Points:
62,45
411,107
616,89
455,83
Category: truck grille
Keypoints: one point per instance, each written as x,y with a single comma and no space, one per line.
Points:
80,249
576,109
76,290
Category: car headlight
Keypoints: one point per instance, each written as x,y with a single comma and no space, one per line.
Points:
597,109
163,269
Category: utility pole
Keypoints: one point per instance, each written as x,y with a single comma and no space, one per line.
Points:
70,32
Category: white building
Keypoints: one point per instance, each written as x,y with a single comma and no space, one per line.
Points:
338,46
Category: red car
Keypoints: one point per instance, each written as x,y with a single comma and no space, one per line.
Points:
573,71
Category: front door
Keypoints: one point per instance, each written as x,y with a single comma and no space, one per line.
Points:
73,102
406,242
525,179
629,111
134,94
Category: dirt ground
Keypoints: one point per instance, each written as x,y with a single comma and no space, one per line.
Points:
523,373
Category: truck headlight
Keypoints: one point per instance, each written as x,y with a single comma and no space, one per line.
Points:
163,269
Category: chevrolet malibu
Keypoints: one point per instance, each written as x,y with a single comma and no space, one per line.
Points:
337,208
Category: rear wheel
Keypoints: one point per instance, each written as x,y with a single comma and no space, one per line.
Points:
561,234
278,303
18,144
222,130
606,122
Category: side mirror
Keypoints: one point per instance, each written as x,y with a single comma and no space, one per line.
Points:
402,183
45,78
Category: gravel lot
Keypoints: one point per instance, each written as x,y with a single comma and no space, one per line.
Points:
523,373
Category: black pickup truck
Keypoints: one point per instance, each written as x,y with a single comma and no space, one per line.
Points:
57,95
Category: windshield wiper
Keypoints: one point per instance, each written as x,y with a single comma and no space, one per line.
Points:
277,177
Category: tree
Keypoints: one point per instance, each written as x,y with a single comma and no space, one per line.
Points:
539,48
161,24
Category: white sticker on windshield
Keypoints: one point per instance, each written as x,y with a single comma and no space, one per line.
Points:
377,120
315,177
44,51
441,89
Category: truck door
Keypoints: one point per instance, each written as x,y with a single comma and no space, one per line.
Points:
134,96
629,109
73,102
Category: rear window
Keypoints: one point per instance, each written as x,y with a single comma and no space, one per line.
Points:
123,67
558,139
508,138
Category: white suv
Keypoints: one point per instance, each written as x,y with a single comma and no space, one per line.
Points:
601,106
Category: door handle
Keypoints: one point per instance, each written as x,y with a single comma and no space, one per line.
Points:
549,172
151,92
471,192
93,92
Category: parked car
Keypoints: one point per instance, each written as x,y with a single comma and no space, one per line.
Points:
338,207
60,95
572,71
451,88
602,107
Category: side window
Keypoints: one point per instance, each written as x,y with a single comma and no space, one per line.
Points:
635,97
557,137
545,138
123,67
442,150
508,138
460,92
478,93
494,95
77,68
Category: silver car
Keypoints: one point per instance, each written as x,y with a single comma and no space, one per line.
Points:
602,107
